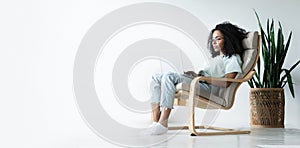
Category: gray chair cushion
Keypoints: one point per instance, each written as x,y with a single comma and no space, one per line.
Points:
250,53
200,92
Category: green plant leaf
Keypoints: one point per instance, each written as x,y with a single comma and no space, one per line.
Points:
258,84
290,82
250,82
290,70
262,32
280,51
258,67
280,43
284,83
268,33
256,81
284,53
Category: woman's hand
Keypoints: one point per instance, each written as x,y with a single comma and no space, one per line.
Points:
221,83
192,73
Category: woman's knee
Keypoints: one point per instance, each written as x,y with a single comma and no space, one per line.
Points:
170,76
156,78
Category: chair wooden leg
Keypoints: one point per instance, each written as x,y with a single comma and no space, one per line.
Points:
221,131
192,111
192,127
233,132
182,127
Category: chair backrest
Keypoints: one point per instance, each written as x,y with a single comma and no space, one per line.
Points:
249,58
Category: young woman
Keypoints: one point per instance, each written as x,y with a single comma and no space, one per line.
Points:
225,42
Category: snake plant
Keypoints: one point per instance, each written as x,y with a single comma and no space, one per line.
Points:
274,51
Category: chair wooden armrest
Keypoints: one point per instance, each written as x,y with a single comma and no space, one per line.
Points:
246,78
195,81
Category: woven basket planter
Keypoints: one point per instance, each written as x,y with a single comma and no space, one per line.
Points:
267,107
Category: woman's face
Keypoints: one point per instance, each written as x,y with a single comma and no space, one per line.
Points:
217,40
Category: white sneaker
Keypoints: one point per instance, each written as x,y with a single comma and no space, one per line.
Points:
158,129
153,124
149,130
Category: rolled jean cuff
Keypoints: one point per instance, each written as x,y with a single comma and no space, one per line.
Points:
168,107
153,103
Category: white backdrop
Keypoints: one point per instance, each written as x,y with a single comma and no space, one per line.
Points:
39,40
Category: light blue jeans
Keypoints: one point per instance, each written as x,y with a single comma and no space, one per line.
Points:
163,88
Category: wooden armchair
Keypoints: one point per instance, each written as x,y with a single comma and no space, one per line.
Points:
221,98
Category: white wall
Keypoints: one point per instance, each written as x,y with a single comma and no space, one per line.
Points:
39,43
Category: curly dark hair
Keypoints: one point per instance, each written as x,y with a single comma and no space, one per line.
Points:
233,36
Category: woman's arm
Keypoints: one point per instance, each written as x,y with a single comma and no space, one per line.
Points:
221,83
192,73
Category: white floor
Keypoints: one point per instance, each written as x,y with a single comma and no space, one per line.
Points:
261,138
72,132
258,138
